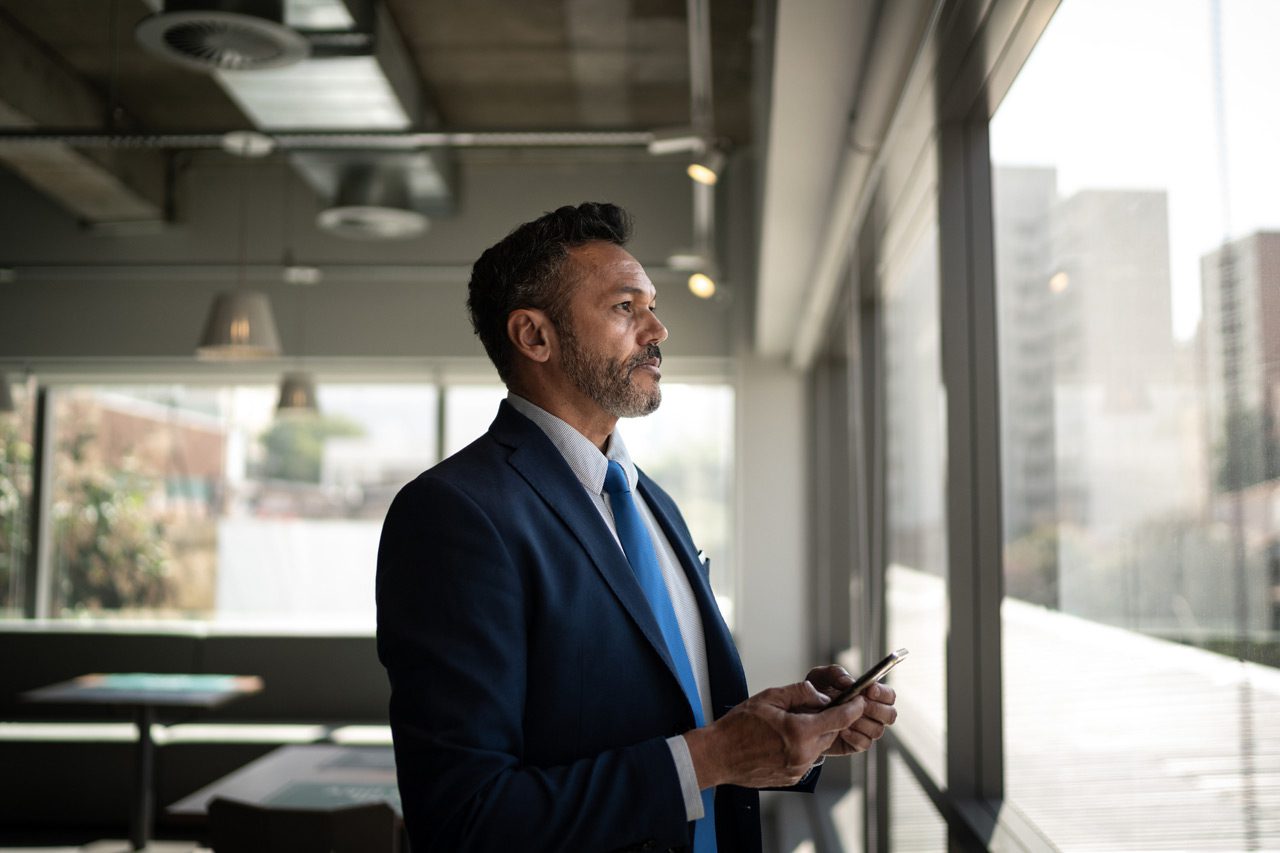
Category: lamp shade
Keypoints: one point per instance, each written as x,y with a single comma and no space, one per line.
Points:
6,396
298,394
240,326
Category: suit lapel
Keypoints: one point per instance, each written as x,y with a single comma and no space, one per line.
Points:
538,461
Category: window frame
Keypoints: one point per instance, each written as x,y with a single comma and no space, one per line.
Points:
974,51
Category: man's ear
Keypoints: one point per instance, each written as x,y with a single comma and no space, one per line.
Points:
531,333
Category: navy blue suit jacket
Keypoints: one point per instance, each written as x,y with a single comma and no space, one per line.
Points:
531,692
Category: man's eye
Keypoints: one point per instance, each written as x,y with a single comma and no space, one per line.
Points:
625,306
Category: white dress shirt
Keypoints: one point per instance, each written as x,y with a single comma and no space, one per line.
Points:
589,465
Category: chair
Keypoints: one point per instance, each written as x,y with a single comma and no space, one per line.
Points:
238,827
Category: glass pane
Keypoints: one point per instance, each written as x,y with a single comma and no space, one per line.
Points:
687,447
468,411
1138,275
914,824
199,502
16,446
915,451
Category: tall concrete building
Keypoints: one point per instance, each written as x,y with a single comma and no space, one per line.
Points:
1024,199
1240,389
1096,398
1240,344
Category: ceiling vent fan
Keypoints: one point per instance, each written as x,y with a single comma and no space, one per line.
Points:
226,35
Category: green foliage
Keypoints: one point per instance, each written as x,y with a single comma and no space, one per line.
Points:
1031,566
1248,453
295,445
111,551
15,492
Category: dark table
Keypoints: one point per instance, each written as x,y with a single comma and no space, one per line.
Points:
147,694
306,776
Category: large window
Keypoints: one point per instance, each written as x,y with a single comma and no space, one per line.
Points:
1138,278
915,445
175,501
687,447
201,502
17,446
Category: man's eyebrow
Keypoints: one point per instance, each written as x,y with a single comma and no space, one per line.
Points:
634,288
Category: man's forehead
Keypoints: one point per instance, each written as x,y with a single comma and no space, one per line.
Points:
606,265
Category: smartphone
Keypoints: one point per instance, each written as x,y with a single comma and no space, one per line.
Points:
870,677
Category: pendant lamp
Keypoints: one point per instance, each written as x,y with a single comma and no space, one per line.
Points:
297,387
298,394
240,325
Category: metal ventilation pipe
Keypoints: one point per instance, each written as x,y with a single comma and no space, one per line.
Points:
373,203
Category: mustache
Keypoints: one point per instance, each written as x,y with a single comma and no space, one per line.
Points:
649,352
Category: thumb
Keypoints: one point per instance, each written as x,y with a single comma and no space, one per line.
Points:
802,696
841,716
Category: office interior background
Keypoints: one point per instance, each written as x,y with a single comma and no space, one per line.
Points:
990,370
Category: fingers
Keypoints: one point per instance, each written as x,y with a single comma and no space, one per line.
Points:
829,679
881,693
880,699
856,740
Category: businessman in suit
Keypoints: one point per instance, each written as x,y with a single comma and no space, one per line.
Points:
561,676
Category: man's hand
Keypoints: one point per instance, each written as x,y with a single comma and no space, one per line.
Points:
771,739
867,728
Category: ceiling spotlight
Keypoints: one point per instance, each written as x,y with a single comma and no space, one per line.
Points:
702,285
1059,282
707,168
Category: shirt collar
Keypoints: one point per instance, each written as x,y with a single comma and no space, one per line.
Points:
586,461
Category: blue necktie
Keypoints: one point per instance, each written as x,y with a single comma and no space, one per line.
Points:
634,536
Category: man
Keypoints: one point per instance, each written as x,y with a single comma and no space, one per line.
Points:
561,677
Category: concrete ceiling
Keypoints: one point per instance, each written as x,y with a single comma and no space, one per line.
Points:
488,64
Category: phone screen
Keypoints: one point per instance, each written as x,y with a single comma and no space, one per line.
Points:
870,677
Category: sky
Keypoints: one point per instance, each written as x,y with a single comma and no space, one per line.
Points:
1119,94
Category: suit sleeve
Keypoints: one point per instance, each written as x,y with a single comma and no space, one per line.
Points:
452,635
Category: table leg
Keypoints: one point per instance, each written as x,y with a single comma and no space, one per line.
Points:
144,791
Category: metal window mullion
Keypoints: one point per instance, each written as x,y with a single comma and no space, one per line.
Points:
974,742
988,484
868,343
38,587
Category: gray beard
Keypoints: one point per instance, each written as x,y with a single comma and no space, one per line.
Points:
608,382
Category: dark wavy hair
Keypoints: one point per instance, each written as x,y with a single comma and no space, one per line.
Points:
526,270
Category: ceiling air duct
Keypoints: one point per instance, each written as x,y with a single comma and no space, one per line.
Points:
373,203
232,35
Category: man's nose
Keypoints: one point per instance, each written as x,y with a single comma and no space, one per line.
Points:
658,333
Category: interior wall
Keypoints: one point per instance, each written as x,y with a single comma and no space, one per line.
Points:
80,294
772,607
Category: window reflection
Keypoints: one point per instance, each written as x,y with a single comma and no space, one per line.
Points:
1139,319
914,823
915,477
